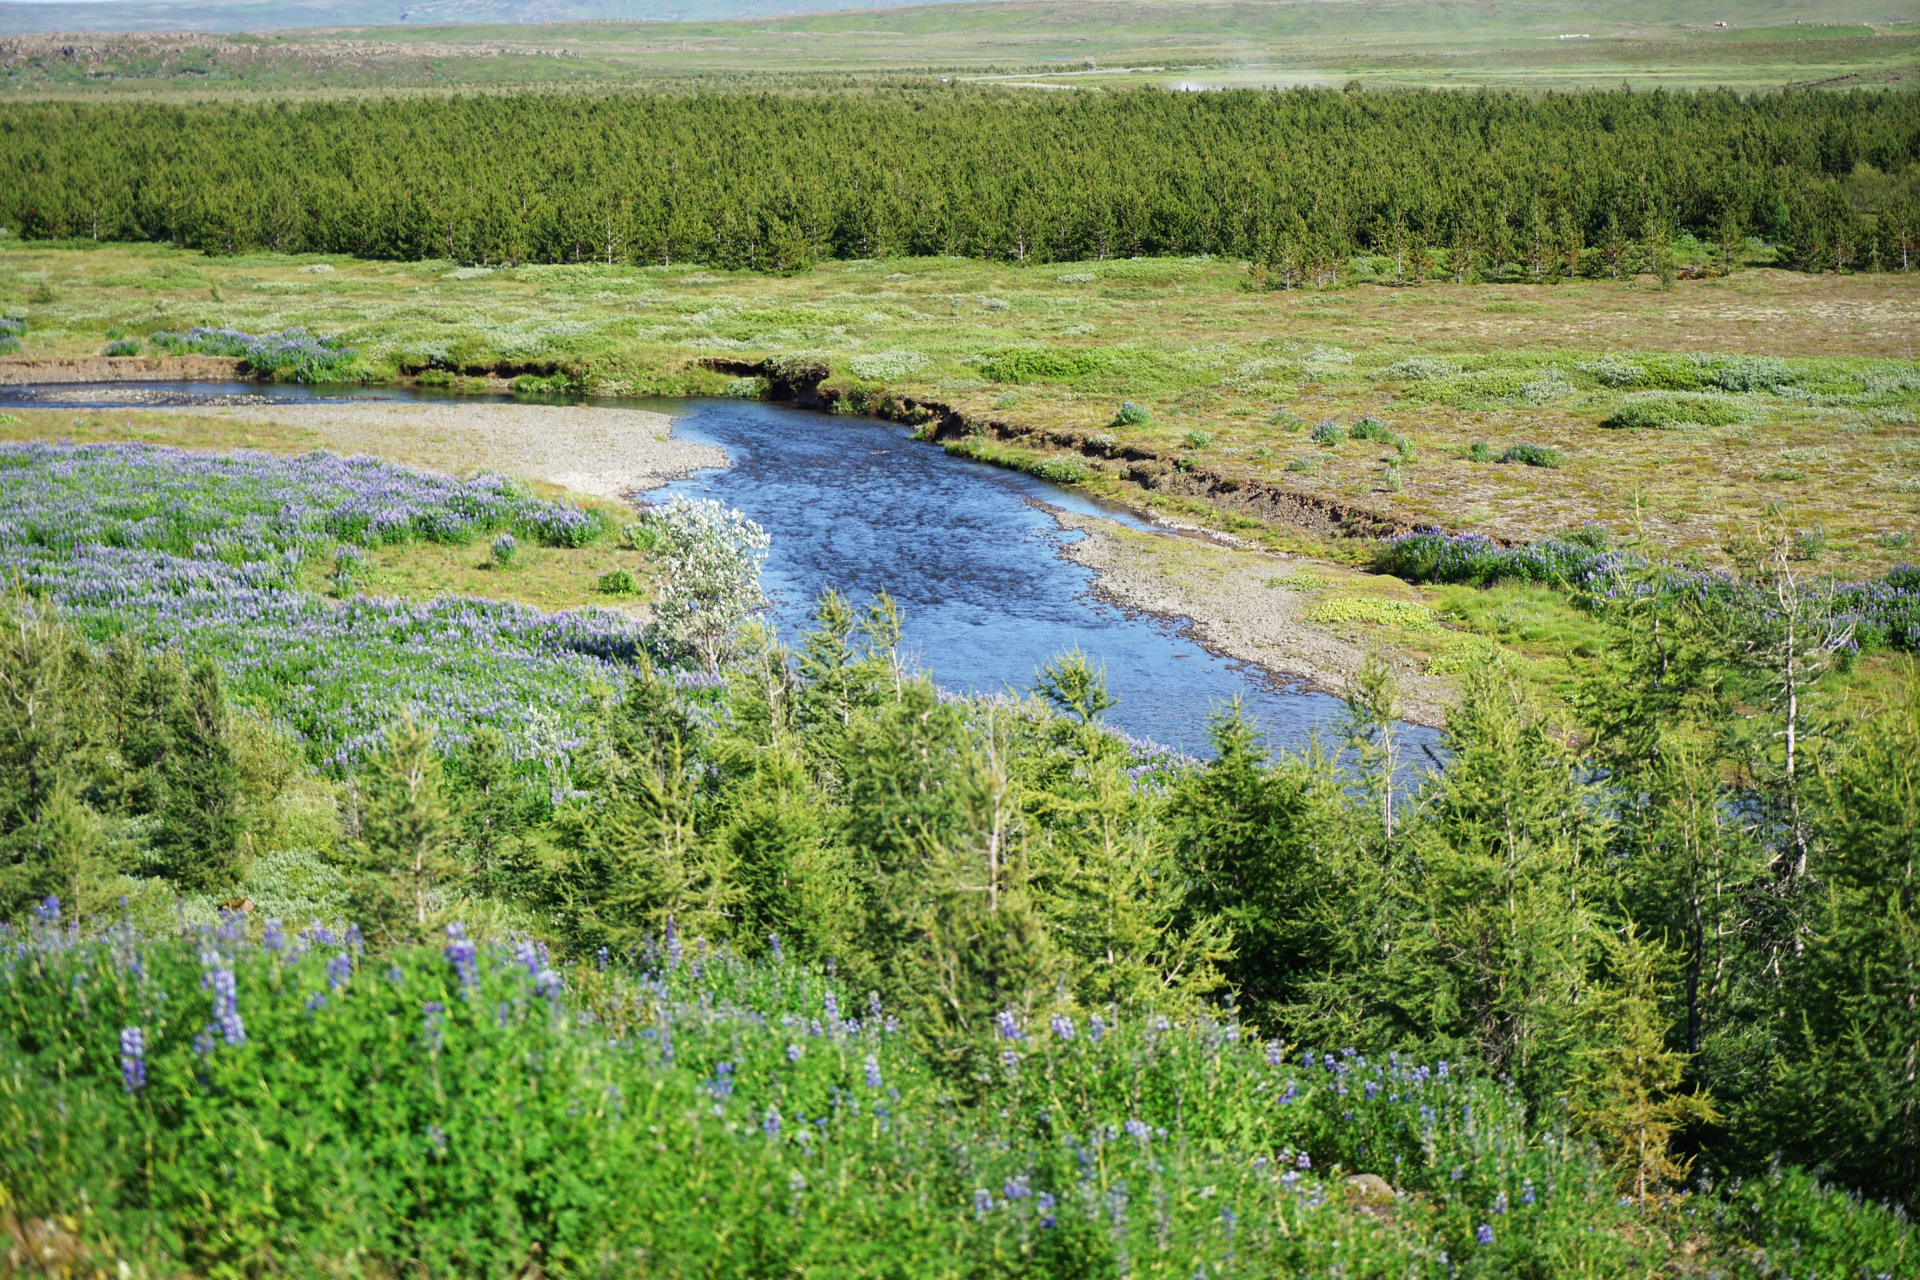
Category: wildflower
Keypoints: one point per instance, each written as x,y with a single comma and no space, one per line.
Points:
1007,1024
873,1004
339,970
1273,1053
433,1017
1305,1161
773,947
1045,1204
982,1202
1016,1188
219,979
1500,1203
1526,1192
1010,1060
316,1001
461,955
1373,1090
1485,1234
1096,1028
873,1072
47,910
133,1059
437,1137
600,959
272,937
1062,1026
798,1182
771,1125
673,944
831,1003
793,1052
1138,1130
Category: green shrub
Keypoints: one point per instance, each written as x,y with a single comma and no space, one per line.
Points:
618,582
1063,470
1535,455
1749,373
1480,451
1404,614
123,347
1421,369
1198,439
1131,415
887,366
1304,466
745,388
1671,410
1043,364
1373,429
504,549
1328,433
1614,371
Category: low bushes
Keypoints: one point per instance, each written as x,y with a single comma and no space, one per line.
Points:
1672,410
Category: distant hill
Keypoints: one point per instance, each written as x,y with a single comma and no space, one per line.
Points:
37,16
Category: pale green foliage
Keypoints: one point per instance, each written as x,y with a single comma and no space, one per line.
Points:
709,559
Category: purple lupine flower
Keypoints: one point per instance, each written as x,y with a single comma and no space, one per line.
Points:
339,971
1273,1053
1045,1204
831,1003
1372,1090
1010,1059
771,1124
1526,1192
1304,1161
316,1001
133,1059
774,949
220,980
1500,1203
982,1202
1138,1130
1007,1025
873,1004
1062,1027
433,1017
462,956
1016,1188
794,1052
1485,1234
47,910
601,959
1096,1028
673,944
272,937
873,1072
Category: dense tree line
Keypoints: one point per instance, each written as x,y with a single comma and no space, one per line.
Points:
1296,179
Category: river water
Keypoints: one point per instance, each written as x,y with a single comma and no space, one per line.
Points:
971,554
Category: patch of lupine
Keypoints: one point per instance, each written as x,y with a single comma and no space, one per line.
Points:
202,553
292,354
718,1117
1880,613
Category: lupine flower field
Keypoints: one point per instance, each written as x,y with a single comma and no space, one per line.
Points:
234,1101
201,553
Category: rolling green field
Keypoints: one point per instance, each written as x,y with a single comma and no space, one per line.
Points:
1187,43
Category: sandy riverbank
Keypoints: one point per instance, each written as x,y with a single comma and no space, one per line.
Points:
1240,605
605,452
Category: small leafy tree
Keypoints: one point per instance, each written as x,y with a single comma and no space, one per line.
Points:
709,557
